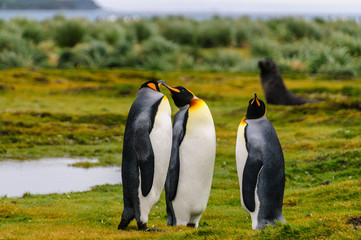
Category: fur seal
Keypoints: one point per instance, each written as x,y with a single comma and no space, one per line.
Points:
274,87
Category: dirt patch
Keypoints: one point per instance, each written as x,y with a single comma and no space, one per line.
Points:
356,221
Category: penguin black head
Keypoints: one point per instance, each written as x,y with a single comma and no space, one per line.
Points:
181,96
267,65
256,108
152,84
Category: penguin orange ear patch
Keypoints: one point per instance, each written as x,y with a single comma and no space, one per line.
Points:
152,86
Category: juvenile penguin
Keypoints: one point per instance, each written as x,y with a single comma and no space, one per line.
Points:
274,87
260,166
146,153
189,178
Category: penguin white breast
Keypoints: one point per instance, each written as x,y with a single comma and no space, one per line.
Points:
241,156
197,156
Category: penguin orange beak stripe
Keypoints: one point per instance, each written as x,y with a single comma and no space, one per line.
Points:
170,88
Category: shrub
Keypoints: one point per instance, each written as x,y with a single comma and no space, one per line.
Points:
95,54
29,29
353,45
157,53
265,48
247,29
34,32
124,55
333,61
349,27
157,46
220,60
299,28
69,33
111,33
179,31
214,33
22,54
143,30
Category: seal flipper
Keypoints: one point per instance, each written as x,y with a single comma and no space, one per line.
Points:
144,151
251,171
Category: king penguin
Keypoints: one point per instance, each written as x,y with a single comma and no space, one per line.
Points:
146,154
260,167
189,178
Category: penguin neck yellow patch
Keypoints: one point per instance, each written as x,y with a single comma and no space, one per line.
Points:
243,122
196,103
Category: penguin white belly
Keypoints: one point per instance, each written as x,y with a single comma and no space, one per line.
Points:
161,139
197,156
241,157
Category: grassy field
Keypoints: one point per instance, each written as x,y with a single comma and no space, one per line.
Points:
82,113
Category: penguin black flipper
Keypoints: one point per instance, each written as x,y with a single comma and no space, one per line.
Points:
251,172
179,130
143,148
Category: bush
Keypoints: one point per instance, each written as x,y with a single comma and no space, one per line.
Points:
333,61
22,54
179,31
157,53
69,33
353,45
246,30
158,46
111,33
214,33
220,60
265,48
95,55
143,30
299,28
34,32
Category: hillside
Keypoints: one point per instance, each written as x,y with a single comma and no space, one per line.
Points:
47,4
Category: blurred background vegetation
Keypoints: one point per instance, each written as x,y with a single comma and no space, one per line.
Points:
176,43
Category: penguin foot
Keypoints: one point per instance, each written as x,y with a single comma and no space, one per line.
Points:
143,227
123,224
192,225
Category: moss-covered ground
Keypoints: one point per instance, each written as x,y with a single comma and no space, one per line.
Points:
81,113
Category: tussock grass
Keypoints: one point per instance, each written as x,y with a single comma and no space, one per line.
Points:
177,43
82,113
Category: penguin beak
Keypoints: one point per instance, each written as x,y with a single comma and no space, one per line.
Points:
160,82
255,98
172,89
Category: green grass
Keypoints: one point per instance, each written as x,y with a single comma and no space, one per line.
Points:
82,113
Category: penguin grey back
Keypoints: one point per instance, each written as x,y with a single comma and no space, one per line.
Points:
264,172
139,123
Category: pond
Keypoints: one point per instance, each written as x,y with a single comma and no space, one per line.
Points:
52,175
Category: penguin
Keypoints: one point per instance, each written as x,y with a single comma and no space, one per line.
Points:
260,167
146,154
274,87
190,172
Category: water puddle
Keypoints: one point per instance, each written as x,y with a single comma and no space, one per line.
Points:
52,175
